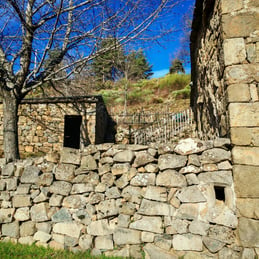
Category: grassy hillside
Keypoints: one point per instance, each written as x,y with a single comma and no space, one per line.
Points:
170,92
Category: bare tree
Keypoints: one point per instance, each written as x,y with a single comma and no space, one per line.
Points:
32,30
183,53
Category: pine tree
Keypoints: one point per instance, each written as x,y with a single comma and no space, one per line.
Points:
138,66
106,65
176,66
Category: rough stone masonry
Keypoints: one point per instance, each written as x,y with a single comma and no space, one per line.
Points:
125,200
225,95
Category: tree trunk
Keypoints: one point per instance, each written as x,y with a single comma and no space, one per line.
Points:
10,126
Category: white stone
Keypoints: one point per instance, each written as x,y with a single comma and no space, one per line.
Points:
124,236
88,163
163,242
154,252
104,242
22,214
190,146
187,242
58,238
190,169
155,208
26,240
39,212
213,245
171,161
55,200
248,253
147,237
120,169
143,158
152,224
85,242
43,226
224,166
6,215
68,228
70,156
199,227
190,194
42,236
176,226
74,201
82,188
27,228
122,253
107,208
156,193
171,178
99,228
188,211
222,215
192,179
125,156
234,51
143,179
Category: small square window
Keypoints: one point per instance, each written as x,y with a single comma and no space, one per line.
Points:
219,193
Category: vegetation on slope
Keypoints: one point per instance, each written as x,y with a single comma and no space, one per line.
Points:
171,91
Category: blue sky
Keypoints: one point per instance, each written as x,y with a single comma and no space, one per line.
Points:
160,56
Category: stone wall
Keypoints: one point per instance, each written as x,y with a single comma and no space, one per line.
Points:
41,123
165,201
238,48
208,95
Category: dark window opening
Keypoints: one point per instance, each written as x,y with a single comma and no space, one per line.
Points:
219,193
72,131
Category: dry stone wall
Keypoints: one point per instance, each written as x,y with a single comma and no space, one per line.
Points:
165,201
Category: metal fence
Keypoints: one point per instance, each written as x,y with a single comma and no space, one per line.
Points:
139,118
164,129
147,127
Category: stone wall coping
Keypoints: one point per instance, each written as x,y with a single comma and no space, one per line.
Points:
63,99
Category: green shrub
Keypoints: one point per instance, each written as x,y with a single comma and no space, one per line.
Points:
139,95
109,95
182,93
174,81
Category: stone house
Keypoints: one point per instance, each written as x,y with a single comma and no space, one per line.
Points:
225,95
48,124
